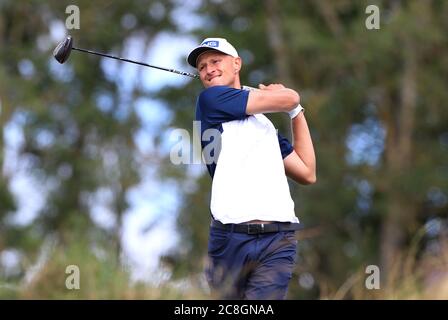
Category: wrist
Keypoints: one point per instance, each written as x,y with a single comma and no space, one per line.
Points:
247,88
295,112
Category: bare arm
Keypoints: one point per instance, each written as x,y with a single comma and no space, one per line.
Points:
272,98
300,165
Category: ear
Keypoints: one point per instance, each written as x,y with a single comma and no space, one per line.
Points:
237,64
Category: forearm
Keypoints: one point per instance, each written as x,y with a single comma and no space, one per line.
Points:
302,143
267,101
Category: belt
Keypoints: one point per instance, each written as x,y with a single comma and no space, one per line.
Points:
256,228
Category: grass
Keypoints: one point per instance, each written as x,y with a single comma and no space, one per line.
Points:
409,278
102,278
99,278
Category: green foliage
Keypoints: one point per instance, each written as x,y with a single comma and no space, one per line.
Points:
346,75
73,145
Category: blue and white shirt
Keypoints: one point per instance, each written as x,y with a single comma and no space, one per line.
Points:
249,181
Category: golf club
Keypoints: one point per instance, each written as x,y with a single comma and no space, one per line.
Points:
63,50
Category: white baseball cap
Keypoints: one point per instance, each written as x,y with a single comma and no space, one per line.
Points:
218,44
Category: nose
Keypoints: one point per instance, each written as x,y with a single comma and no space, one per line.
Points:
210,69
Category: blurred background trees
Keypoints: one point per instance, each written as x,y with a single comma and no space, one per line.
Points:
374,100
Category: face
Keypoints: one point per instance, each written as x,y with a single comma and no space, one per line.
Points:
219,69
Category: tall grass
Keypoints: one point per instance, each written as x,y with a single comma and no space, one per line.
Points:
411,277
101,277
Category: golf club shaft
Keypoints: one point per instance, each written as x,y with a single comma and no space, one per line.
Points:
137,62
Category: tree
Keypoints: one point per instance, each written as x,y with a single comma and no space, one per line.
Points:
78,121
373,101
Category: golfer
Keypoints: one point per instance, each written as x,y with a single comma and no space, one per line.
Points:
252,244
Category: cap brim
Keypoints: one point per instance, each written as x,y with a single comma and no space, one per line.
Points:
193,56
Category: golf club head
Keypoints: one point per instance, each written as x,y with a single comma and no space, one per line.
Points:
62,51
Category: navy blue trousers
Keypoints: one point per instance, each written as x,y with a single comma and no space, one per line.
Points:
253,267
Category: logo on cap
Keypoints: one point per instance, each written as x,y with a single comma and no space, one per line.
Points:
213,44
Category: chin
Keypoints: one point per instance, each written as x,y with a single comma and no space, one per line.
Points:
215,82
218,81
228,84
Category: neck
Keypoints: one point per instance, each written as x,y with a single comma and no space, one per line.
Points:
236,83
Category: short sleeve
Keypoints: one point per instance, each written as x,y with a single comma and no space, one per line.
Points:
285,146
220,104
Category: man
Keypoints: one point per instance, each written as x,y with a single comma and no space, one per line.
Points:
252,245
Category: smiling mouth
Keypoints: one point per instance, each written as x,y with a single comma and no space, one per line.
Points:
213,78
